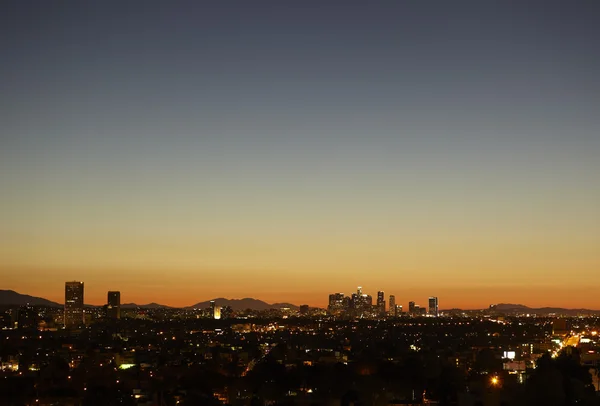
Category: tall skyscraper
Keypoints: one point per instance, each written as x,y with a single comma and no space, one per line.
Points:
113,310
411,307
381,303
336,303
74,315
392,310
433,306
215,311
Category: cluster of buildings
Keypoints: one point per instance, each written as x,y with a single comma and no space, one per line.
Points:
74,313
361,305
356,305
490,352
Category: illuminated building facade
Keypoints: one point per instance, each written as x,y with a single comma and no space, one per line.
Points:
336,303
381,303
392,309
113,310
433,306
74,314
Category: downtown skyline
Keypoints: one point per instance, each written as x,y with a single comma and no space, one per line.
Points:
286,152
416,297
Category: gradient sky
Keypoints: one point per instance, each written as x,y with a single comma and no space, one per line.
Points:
186,150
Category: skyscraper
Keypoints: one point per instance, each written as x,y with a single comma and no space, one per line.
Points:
74,316
433,306
411,308
336,303
113,310
381,303
398,310
392,307
214,311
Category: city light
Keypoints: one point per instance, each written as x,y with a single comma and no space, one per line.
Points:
337,204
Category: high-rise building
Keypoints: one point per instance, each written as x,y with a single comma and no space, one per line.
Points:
347,304
398,310
392,310
336,303
433,306
355,301
215,311
362,304
411,307
74,314
381,303
113,308
367,302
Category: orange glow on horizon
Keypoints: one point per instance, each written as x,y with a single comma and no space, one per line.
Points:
181,291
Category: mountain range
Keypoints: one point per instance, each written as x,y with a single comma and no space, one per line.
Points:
522,309
12,298
243,304
144,306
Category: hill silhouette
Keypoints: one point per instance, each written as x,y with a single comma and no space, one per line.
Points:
243,304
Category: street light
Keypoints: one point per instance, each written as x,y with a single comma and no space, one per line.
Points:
494,381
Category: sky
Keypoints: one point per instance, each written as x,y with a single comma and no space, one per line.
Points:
185,150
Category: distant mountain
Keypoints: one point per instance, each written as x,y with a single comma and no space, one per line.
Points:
144,306
283,305
518,308
10,297
243,304
511,307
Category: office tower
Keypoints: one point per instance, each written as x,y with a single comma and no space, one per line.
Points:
367,302
392,310
433,306
381,303
355,302
213,310
113,309
336,303
74,315
359,291
411,307
398,310
347,304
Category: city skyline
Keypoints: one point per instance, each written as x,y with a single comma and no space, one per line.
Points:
427,304
284,152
